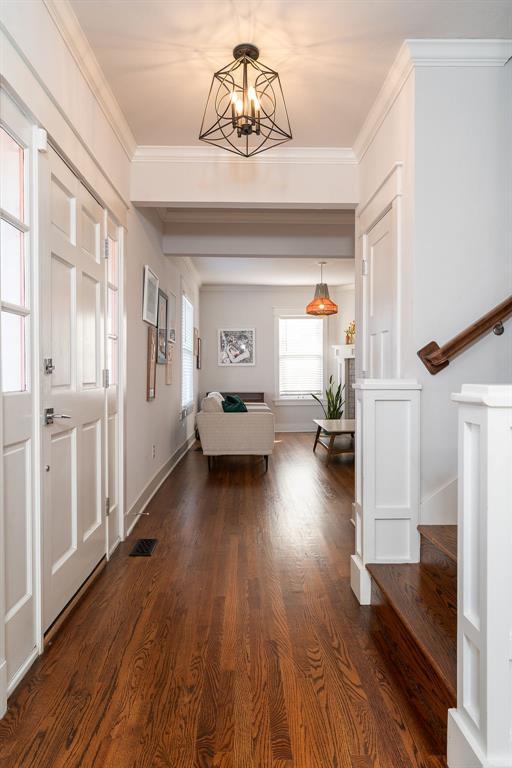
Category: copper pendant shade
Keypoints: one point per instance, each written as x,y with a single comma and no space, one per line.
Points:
321,304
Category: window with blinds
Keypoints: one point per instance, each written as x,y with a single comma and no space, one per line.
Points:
301,356
187,352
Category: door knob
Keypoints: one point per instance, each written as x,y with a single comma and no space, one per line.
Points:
49,416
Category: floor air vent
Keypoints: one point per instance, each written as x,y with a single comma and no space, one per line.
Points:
143,548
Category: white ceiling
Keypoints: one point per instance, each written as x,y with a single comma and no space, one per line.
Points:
267,271
332,55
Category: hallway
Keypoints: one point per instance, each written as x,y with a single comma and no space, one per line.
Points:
238,643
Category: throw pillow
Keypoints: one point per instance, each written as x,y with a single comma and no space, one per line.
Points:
233,404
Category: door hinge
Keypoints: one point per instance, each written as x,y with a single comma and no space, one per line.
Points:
107,506
106,378
106,248
364,267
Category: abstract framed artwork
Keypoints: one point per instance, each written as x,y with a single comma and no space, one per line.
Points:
162,328
151,372
236,346
150,297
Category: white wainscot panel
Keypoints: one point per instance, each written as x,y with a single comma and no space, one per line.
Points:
63,507
387,477
90,466
62,314
19,617
90,301
90,235
392,453
63,208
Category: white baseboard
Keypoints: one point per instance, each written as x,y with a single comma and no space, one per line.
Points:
440,508
463,750
305,427
360,580
114,547
154,484
21,672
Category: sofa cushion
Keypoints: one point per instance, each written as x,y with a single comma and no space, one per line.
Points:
212,403
233,404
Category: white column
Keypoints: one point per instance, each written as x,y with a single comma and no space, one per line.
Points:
387,494
480,728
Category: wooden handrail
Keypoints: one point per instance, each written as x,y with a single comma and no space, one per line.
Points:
435,358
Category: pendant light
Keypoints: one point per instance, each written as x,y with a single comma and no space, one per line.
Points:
245,112
321,304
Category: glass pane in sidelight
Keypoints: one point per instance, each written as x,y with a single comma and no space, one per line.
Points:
11,177
113,255
12,263
13,353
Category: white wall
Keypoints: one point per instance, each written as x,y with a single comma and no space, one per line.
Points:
462,243
450,127
253,307
200,176
158,421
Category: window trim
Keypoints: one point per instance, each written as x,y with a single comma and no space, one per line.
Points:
186,408
300,315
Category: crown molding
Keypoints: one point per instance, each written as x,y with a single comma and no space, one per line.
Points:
204,154
73,35
265,288
427,53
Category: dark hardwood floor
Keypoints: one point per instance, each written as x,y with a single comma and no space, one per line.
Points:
238,644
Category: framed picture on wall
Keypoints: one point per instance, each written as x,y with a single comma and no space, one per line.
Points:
171,318
198,357
162,328
151,372
150,297
168,366
236,346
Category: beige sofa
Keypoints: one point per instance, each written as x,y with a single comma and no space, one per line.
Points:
235,434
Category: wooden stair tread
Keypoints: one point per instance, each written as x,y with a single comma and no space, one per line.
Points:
419,600
444,537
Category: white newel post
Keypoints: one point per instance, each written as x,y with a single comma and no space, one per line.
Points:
480,728
387,493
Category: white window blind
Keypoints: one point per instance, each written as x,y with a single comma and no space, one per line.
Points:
187,352
301,356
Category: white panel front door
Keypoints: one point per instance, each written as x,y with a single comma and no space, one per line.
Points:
380,300
73,316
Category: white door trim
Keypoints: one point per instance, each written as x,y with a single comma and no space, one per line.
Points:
387,197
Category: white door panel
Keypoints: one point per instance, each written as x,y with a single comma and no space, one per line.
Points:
73,327
380,300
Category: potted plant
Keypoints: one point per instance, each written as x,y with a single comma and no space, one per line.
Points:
334,400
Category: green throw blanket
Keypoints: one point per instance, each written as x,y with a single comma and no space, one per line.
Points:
233,404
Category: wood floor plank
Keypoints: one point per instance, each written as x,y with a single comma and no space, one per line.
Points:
238,644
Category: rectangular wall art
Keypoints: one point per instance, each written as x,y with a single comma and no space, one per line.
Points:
151,373
162,328
150,299
236,346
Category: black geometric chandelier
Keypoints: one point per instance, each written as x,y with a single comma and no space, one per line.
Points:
246,111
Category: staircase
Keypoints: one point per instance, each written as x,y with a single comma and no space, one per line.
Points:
416,606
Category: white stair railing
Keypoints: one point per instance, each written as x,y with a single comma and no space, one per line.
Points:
480,728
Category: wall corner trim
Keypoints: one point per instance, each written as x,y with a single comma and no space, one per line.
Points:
73,35
427,53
